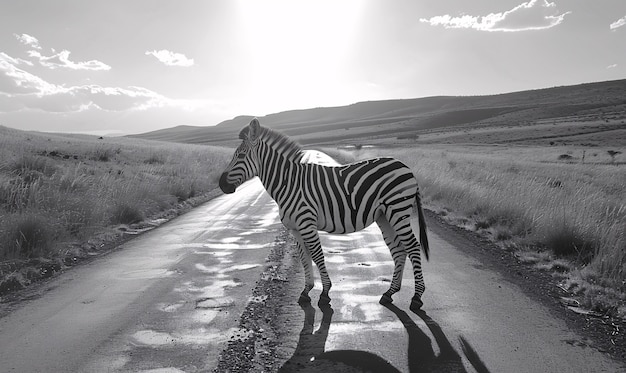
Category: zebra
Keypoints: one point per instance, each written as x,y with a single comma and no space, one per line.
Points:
338,199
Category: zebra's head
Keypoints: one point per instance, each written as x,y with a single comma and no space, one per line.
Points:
244,165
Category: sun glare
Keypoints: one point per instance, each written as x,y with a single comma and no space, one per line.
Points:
298,46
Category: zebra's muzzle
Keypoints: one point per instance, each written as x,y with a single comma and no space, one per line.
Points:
225,186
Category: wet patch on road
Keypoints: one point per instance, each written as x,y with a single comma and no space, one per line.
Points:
200,336
163,370
215,302
229,244
217,288
148,274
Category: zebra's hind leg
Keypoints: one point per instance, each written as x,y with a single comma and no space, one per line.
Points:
397,253
402,226
414,256
307,265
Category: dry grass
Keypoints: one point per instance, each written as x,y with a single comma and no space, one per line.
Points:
58,190
526,197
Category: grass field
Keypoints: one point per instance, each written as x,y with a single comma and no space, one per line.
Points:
553,192
541,201
59,192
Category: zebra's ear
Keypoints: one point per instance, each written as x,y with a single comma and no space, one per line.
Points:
255,129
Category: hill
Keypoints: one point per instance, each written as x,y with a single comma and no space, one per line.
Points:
409,117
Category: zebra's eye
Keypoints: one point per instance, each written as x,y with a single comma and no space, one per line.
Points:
241,155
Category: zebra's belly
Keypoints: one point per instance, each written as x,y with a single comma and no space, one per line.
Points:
348,223
342,230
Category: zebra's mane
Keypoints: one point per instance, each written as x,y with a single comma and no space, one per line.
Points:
278,142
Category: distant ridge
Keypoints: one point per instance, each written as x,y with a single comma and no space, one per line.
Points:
375,118
236,120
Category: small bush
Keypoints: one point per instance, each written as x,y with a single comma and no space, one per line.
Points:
613,154
183,191
123,213
155,159
102,154
483,224
31,176
28,164
566,240
27,236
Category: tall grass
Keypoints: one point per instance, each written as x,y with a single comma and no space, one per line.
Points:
527,197
56,190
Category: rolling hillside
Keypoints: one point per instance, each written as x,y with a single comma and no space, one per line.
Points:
408,117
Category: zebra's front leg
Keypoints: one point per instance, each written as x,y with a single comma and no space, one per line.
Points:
307,265
314,247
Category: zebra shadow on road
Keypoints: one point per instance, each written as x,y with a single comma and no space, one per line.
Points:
311,357
422,357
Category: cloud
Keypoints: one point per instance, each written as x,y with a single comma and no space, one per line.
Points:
62,60
612,66
13,60
80,98
619,23
171,58
57,60
21,90
29,100
531,15
28,40
14,80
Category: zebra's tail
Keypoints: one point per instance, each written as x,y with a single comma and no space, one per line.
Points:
422,223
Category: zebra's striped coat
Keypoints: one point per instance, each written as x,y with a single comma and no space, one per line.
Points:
340,199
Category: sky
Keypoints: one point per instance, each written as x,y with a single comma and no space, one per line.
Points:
122,67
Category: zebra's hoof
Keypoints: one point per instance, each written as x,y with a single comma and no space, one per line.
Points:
416,304
385,299
304,299
324,300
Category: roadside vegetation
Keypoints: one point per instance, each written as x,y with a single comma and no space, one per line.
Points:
63,197
553,211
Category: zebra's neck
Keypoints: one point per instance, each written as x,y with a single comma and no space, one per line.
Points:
279,175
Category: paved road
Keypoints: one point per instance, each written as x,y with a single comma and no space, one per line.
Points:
171,300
